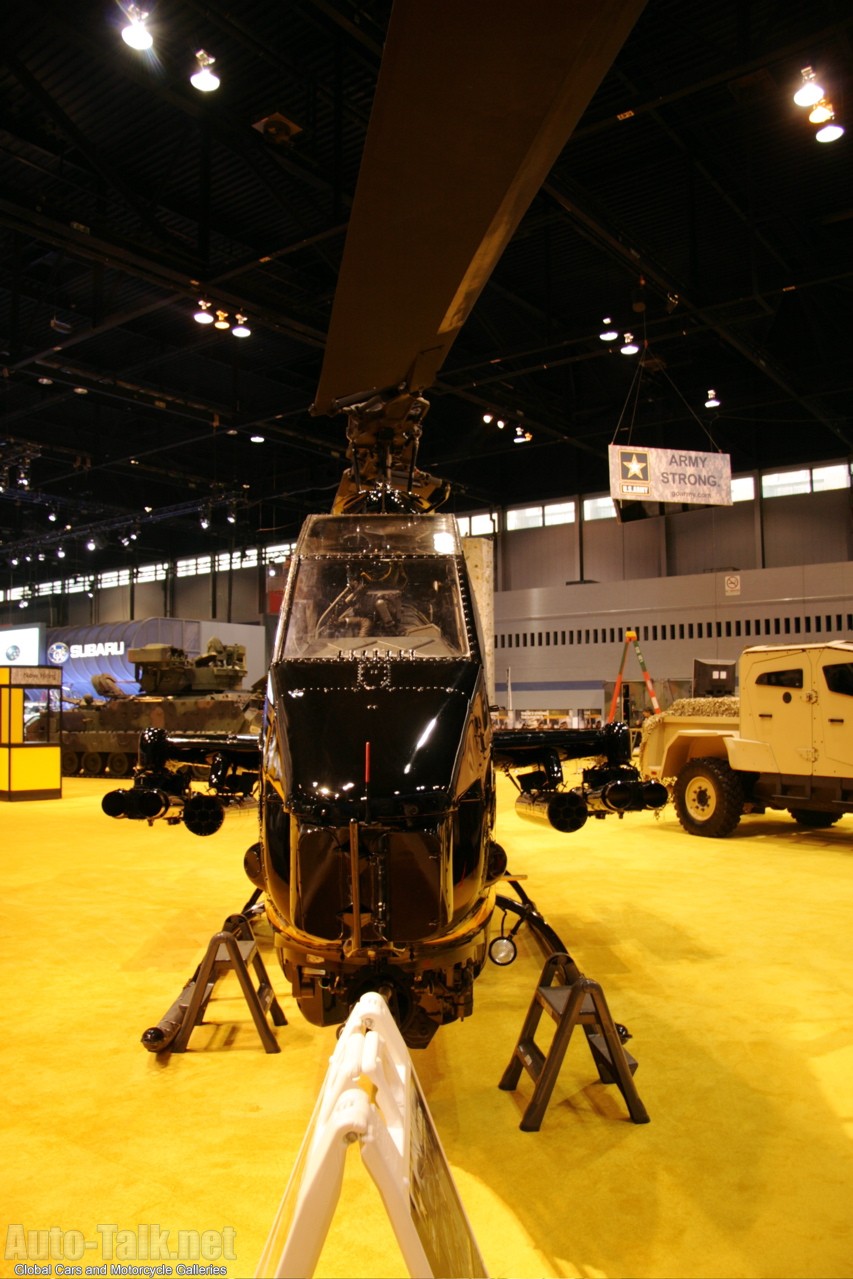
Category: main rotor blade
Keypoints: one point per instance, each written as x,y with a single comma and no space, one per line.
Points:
474,102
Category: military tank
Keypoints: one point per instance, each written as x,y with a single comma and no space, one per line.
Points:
100,732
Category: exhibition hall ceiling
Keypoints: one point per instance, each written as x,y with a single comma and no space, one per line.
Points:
693,207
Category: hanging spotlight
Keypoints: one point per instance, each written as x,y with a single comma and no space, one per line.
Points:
256,439
204,79
608,333
830,132
521,436
45,381
630,347
60,552
241,328
821,112
231,515
809,91
221,321
202,315
136,34
488,418
91,544
204,519
500,424
712,402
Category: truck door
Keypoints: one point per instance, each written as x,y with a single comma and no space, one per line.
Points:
834,712
776,708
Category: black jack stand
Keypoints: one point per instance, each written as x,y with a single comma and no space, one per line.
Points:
232,949
574,1000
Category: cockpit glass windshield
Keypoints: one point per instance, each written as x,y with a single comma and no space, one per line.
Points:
362,604
359,587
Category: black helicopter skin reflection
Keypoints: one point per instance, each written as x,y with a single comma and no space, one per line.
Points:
377,807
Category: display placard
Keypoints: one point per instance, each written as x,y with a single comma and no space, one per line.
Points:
639,474
34,677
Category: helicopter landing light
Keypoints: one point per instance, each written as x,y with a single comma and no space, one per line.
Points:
503,951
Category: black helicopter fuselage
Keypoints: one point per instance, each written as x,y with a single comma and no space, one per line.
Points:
377,810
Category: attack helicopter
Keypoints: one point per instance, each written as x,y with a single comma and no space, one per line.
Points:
377,859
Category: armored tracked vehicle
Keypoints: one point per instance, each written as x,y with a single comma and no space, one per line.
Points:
100,733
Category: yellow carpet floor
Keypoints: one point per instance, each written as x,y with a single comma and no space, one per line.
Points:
730,962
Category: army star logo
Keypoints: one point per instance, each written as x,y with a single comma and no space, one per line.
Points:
635,466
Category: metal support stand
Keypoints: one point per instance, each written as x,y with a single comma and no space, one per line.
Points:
232,949
575,1000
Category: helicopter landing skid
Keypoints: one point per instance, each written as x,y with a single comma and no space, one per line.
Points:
232,949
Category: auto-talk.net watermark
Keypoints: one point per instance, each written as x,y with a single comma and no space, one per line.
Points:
148,1250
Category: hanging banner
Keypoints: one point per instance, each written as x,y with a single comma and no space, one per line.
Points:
669,475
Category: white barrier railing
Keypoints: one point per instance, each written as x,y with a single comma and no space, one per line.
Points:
371,1094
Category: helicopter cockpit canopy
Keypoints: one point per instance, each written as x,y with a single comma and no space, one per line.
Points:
375,583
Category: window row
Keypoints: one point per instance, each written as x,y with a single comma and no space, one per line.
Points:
814,479
193,566
735,628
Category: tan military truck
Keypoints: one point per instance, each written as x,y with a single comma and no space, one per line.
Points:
785,742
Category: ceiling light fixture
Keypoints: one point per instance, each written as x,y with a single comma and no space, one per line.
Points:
221,321
45,381
630,347
202,315
204,79
204,520
712,402
809,91
231,515
500,424
51,515
241,328
136,34
821,112
91,544
488,418
830,132
608,333
521,436
60,553
256,439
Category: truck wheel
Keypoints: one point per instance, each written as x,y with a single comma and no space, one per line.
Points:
813,819
70,761
92,764
708,798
